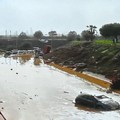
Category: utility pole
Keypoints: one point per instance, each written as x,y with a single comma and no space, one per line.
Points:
6,34
16,39
31,32
16,34
10,34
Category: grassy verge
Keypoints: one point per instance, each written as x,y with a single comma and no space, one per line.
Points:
106,42
98,42
75,42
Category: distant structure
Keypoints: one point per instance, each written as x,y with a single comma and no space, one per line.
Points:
52,33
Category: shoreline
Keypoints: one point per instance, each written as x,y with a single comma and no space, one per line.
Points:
87,77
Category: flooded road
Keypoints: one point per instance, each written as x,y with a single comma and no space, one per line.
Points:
32,90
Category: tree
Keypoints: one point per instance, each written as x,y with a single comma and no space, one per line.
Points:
110,30
38,34
78,37
22,35
72,35
91,31
26,46
86,35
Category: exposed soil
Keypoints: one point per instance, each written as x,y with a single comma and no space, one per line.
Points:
101,59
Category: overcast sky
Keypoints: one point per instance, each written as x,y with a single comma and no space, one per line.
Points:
60,15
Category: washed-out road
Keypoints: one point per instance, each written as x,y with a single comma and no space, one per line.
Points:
36,91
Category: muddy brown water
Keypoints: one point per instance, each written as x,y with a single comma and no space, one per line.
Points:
32,90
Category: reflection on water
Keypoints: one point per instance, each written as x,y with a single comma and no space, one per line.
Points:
37,61
81,107
25,58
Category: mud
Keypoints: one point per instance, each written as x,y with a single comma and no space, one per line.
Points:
43,92
100,59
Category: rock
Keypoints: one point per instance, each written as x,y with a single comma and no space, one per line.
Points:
109,90
1,101
66,92
80,65
66,62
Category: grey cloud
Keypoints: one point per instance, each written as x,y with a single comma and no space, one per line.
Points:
60,15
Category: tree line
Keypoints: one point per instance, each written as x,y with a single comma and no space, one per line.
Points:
111,30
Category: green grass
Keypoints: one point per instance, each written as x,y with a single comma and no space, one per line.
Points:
104,42
99,42
75,42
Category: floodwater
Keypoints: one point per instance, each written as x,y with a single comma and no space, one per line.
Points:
32,90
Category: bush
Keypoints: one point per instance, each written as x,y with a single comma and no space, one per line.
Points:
26,46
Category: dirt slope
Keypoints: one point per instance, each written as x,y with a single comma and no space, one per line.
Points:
102,59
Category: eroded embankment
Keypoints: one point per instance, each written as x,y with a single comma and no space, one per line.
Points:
100,59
